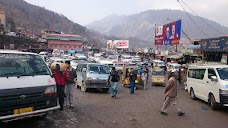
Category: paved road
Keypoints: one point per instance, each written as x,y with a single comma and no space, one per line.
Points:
140,110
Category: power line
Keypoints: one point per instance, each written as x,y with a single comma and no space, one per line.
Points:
202,18
192,19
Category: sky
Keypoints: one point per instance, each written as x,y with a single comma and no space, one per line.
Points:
87,11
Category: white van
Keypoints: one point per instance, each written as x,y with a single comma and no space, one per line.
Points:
158,63
209,83
27,88
173,66
126,58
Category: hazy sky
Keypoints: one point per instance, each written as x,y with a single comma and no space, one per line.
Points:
86,11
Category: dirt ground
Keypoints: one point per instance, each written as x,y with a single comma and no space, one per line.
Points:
140,110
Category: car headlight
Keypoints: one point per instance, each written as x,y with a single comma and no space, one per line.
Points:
223,92
89,79
50,91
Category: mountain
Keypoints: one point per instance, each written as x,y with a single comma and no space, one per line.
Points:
142,25
34,19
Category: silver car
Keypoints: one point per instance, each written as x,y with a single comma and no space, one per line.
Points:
92,75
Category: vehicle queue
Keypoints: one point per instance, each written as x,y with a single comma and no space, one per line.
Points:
207,82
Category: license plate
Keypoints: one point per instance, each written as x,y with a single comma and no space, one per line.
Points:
22,110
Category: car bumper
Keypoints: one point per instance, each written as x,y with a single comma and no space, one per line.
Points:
97,85
224,100
27,115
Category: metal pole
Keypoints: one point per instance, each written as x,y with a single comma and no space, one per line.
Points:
176,47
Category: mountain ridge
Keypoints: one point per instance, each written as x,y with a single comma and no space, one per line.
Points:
142,25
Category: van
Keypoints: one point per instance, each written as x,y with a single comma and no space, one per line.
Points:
158,63
126,58
173,66
92,75
27,88
209,83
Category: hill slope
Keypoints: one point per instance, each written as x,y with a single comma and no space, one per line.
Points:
142,25
35,18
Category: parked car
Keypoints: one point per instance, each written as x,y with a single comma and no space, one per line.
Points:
209,83
27,89
92,75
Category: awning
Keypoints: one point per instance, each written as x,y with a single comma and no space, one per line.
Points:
194,47
178,56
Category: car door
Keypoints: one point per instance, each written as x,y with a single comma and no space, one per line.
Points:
211,85
201,84
79,74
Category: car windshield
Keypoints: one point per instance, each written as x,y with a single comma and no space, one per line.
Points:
22,64
223,73
99,69
158,73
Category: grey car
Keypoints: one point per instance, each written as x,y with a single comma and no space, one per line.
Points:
92,75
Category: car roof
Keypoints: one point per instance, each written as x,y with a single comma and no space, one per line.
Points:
17,52
208,66
157,61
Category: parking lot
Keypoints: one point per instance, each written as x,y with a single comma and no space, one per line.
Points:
140,110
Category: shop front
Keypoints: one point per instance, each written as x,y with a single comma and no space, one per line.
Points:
215,49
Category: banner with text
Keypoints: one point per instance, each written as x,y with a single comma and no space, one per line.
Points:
168,34
121,44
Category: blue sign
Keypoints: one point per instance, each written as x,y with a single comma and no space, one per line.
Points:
215,44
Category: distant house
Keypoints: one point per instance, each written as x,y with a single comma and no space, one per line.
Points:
65,42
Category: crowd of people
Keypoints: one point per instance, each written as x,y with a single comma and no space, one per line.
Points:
65,82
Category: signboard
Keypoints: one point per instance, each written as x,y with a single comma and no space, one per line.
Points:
168,34
215,44
120,44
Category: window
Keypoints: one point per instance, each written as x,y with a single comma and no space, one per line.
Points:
191,73
223,73
98,69
200,73
22,64
196,73
211,72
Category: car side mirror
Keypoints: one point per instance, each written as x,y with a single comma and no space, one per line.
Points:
214,78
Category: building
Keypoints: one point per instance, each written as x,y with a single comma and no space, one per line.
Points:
215,49
65,42
3,18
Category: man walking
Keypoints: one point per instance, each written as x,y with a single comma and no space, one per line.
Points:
144,77
70,85
171,94
113,81
132,77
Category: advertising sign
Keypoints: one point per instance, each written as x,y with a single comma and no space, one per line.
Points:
168,34
120,44
214,44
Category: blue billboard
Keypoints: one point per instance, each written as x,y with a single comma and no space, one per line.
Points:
219,44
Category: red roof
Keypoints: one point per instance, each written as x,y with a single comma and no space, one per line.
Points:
64,35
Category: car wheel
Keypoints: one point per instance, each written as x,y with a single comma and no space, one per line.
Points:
212,102
105,90
83,88
192,94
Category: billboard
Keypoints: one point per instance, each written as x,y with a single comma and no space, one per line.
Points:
219,44
168,34
120,44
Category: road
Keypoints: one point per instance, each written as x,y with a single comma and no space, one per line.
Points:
140,110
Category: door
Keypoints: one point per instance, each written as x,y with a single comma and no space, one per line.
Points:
212,85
